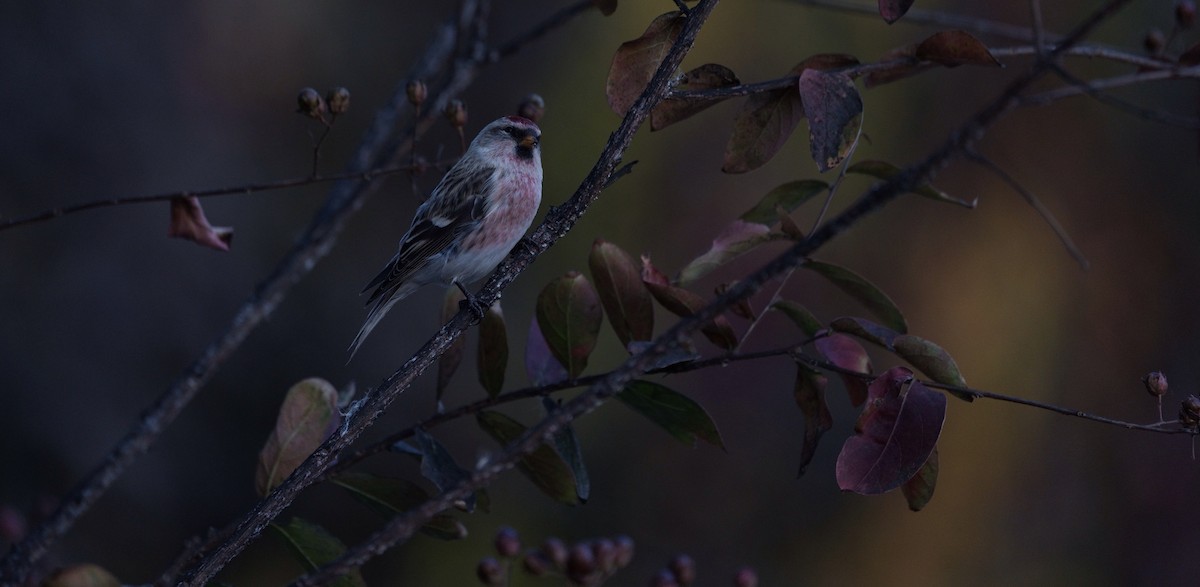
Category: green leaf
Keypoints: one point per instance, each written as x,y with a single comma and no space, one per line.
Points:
567,445
789,196
636,61
706,77
676,413
492,358
307,417
886,171
863,291
569,315
544,467
684,303
449,361
315,547
919,490
737,238
933,361
809,392
619,284
388,497
799,315
866,330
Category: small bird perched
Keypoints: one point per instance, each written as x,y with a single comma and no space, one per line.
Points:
476,214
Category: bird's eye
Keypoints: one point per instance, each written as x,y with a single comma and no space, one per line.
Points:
512,132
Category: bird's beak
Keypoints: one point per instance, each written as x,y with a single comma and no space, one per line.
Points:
529,141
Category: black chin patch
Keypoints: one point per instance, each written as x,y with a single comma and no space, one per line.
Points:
524,152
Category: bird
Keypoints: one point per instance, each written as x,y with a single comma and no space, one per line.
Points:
476,214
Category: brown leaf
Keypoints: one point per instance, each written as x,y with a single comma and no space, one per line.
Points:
834,111
188,221
684,303
619,283
308,416
636,61
705,77
954,48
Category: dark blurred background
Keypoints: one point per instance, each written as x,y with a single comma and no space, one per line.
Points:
100,312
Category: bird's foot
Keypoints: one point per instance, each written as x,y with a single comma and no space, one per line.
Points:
471,304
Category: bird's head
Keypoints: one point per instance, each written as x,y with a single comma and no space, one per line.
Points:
511,135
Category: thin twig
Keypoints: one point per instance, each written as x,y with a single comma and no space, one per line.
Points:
1039,31
935,18
1033,201
1089,88
1048,96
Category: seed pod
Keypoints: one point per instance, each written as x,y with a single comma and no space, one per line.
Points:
456,113
1156,383
1189,413
507,543
581,563
310,103
338,99
490,572
684,569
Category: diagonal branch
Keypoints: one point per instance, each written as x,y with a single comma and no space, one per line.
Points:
403,526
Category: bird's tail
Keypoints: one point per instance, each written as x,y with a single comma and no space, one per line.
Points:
378,310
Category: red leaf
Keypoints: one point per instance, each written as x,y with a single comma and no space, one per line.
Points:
834,111
636,61
894,436
188,221
684,303
954,48
845,352
705,77
892,10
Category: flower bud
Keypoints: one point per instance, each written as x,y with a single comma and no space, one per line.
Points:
535,564
310,103
490,572
745,578
580,562
1185,14
1154,42
338,100
507,543
1189,413
532,107
555,551
1156,383
456,113
417,91
624,553
684,569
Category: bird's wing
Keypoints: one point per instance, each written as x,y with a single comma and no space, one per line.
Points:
457,205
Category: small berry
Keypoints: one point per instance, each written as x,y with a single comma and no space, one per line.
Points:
746,577
310,103
456,113
624,551
417,91
605,552
508,544
581,563
1185,13
532,107
535,564
1156,383
555,551
339,100
664,578
490,572
1155,42
1189,413
684,569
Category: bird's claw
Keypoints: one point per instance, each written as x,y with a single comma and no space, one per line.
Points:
471,304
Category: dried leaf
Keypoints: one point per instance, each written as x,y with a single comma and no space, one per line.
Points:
789,196
919,490
805,320
705,77
307,417
845,352
569,314
188,221
863,291
544,467
81,575
450,360
684,303
866,330
892,10
493,350
954,48
676,413
894,436
316,547
737,238
809,392
567,445
636,61
540,365
834,111
885,171
619,283
388,497
932,360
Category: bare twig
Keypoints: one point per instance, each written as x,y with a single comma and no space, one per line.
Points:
933,18
1039,31
1033,201
1107,83
1091,89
